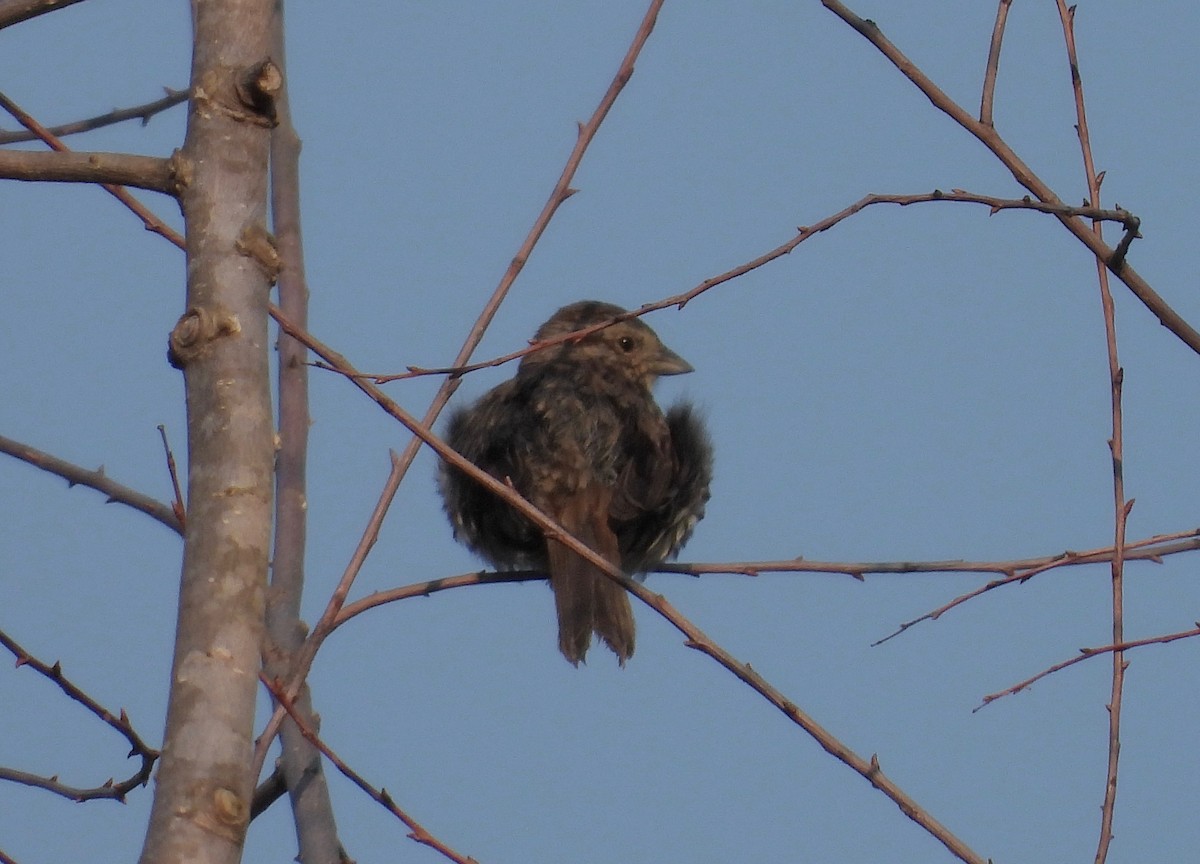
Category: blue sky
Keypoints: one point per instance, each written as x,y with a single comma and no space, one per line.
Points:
918,383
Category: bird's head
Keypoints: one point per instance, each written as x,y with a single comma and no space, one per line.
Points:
629,346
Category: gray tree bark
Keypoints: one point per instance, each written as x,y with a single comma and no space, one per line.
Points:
201,801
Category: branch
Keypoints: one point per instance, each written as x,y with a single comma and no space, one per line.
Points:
299,763
1086,654
1151,549
149,220
118,115
418,832
1121,507
16,11
1129,221
1021,172
177,506
123,169
268,792
993,64
98,480
120,723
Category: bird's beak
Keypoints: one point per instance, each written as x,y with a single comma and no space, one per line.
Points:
667,362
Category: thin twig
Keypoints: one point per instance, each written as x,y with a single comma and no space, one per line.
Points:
1121,507
118,115
1149,549
994,204
16,11
119,722
177,504
993,64
75,476
1087,654
417,831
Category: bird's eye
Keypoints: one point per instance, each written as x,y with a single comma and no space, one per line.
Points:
627,343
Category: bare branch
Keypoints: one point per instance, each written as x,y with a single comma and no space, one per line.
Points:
123,169
119,722
1127,219
381,796
1121,507
98,480
177,503
118,115
1087,654
1021,172
16,11
268,792
299,764
1150,549
993,64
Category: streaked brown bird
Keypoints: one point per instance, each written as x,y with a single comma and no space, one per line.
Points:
578,433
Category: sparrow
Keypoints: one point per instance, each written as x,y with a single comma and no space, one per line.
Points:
577,432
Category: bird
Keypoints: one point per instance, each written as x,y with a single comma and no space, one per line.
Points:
578,433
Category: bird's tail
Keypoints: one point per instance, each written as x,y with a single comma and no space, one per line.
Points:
586,599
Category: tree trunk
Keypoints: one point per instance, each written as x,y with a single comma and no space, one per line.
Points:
201,801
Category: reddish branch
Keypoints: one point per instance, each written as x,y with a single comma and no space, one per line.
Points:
1149,549
177,506
118,115
417,831
1127,220
1087,654
16,11
1121,507
119,722
1113,260
993,64
98,480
